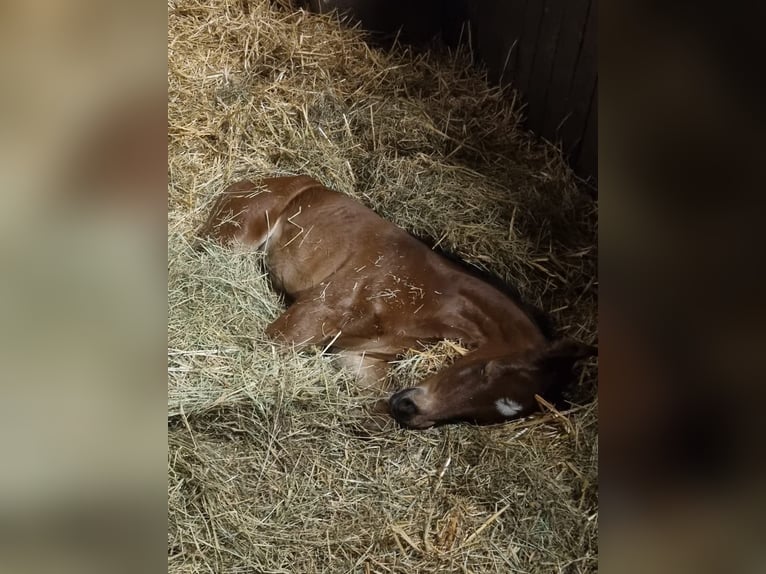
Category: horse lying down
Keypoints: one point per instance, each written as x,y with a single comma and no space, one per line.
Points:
372,291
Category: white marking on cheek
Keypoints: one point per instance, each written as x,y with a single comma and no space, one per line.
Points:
507,407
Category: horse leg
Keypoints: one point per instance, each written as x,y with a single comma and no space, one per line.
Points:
304,323
370,372
250,211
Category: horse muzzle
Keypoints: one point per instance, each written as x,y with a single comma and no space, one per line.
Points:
404,408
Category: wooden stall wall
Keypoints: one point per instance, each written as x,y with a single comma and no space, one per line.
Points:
545,49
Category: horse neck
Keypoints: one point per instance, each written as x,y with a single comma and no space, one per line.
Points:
491,321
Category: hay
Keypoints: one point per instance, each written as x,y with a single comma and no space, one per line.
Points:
268,471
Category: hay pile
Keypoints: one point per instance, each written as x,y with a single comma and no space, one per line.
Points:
267,469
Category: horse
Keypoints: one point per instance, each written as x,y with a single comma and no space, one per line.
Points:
369,290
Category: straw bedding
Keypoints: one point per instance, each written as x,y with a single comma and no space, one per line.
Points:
269,467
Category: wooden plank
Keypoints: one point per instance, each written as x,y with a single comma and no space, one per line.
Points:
564,65
497,27
528,45
455,19
418,21
544,55
514,28
586,163
583,84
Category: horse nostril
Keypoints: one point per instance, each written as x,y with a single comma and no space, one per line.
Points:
406,406
403,406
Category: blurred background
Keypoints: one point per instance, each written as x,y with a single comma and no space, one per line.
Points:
82,285
681,148
83,308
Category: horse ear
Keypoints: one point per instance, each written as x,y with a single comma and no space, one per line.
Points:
563,353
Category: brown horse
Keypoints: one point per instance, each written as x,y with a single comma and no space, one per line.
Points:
371,291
